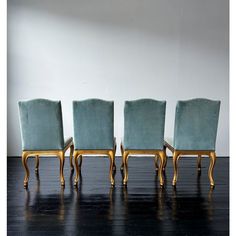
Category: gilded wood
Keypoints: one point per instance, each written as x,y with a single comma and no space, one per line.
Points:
27,173
175,164
211,167
156,162
61,157
71,157
78,154
161,154
199,153
37,153
162,163
122,152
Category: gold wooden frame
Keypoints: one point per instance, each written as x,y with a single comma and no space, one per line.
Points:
59,153
161,154
199,153
78,154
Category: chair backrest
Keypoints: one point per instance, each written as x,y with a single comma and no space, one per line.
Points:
144,123
93,124
41,125
196,124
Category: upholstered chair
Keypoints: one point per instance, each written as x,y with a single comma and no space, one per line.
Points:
144,122
94,132
42,133
195,132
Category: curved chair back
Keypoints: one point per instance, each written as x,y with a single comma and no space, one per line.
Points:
144,123
93,124
196,123
41,125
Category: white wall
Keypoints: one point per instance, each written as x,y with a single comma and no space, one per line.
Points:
117,50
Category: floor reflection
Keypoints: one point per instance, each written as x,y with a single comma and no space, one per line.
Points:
95,208
192,210
144,213
51,209
91,210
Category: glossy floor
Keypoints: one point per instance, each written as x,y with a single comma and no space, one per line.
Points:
143,208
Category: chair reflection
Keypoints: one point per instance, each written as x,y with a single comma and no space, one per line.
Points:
51,210
91,207
193,210
138,205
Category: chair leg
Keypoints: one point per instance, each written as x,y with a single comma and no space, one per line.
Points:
27,173
36,163
80,161
175,164
114,164
61,156
122,153
211,168
165,161
156,162
199,163
71,157
112,161
77,167
160,171
125,162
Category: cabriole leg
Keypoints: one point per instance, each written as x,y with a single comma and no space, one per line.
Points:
71,157
27,173
125,161
212,156
175,164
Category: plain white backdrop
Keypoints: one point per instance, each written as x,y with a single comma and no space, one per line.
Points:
118,50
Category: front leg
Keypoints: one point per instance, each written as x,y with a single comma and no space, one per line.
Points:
211,168
162,163
125,163
71,157
112,159
61,156
122,153
27,173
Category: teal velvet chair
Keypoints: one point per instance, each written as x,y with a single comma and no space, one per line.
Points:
195,130
94,132
42,133
144,123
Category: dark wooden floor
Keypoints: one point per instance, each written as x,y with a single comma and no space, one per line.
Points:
143,208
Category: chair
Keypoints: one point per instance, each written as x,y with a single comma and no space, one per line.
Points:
195,132
42,133
144,122
94,132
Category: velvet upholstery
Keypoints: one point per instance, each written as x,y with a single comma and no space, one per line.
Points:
196,124
41,125
144,122
93,124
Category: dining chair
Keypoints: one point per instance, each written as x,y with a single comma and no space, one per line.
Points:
94,132
42,133
195,131
144,122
